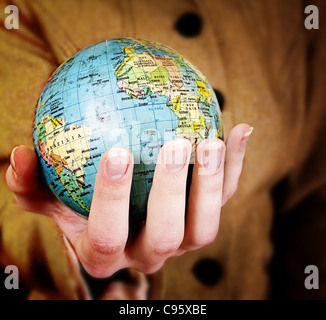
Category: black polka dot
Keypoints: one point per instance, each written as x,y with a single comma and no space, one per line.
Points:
189,24
208,271
220,98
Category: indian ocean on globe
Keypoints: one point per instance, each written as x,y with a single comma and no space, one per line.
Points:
126,92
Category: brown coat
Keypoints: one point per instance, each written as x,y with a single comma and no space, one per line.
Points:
270,72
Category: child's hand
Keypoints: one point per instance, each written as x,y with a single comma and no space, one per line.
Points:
101,241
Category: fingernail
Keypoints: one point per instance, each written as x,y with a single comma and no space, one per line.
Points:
175,155
117,163
212,155
12,160
245,138
209,156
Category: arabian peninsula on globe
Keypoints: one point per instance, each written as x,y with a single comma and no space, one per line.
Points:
137,94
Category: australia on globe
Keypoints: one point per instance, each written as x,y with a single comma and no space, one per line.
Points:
126,92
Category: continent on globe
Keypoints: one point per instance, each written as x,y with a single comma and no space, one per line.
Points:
142,74
66,149
124,92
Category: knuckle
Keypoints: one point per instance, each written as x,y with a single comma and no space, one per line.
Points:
174,186
228,194
115,193
165,248
175,189
106,247
199,241
212,189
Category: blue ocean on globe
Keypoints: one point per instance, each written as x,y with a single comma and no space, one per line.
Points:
126,92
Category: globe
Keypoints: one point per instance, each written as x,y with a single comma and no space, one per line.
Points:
126,92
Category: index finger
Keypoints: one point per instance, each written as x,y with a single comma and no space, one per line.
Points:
100,247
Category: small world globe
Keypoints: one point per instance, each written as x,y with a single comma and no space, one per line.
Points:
132,93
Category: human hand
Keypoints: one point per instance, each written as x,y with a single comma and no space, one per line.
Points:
101,242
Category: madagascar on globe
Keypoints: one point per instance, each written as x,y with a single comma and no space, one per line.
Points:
126,92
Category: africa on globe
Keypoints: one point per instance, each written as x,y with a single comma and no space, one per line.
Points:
126,92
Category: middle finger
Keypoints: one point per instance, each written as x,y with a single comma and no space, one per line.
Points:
164,228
